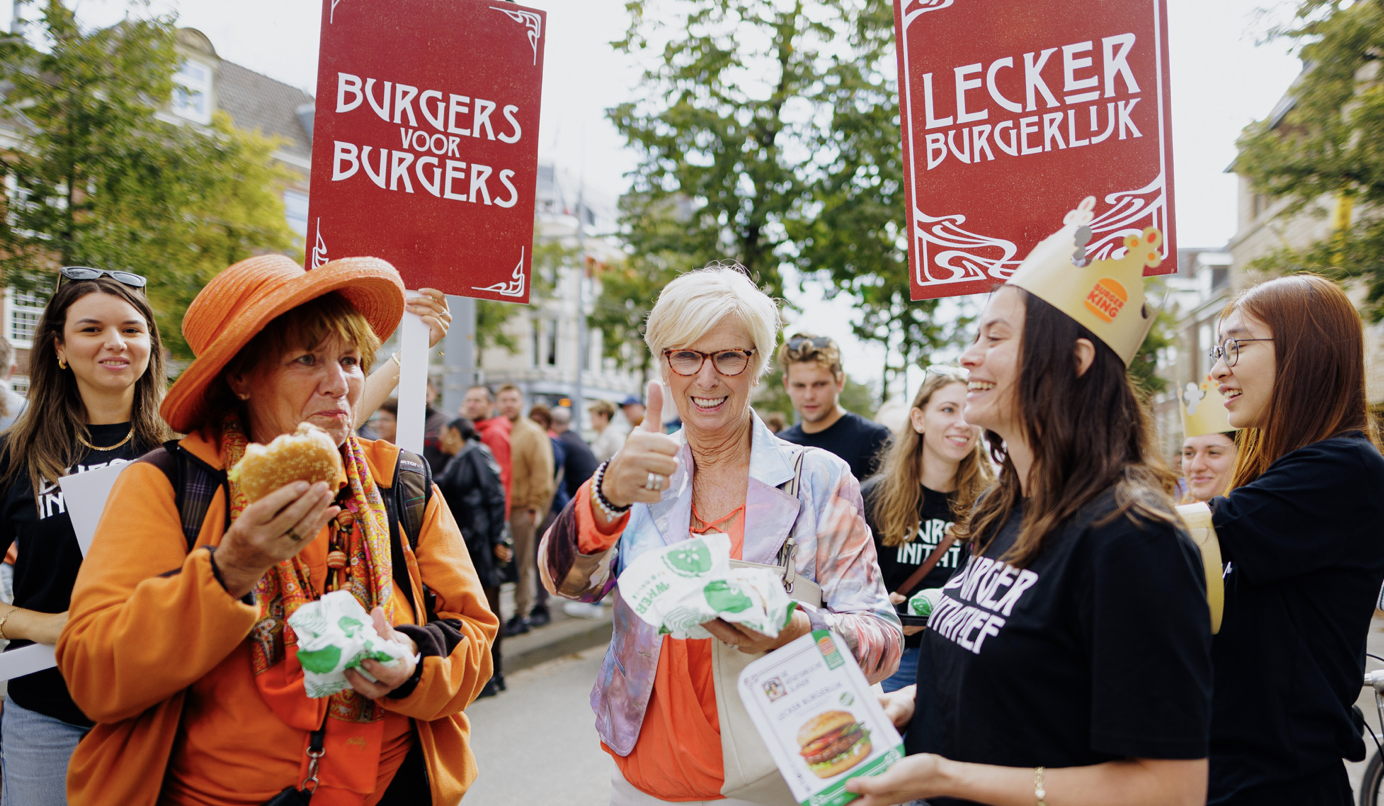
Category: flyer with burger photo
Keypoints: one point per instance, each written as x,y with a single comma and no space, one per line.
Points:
819,718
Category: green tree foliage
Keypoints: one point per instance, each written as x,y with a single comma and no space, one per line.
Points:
101,181
730,95
852,229
772,129
1328,143
628,291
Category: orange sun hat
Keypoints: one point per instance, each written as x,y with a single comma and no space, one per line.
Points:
239,302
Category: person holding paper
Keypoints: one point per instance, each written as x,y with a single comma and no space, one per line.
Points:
1069,660
712,333
95,382
932,472
1299,532
176,645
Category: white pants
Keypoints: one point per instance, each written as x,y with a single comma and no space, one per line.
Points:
624,793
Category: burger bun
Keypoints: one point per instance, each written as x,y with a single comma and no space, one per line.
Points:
305,455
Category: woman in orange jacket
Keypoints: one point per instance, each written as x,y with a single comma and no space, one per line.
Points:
183,658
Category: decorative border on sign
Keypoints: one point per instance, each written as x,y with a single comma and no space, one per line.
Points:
319,250
331,18
957,255
529,20
921,7
967,257
513,288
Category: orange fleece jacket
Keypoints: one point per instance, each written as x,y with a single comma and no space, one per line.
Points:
148,619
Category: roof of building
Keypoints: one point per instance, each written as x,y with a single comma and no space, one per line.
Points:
258,102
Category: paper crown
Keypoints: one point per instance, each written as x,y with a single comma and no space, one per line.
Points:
1203,410
1105,296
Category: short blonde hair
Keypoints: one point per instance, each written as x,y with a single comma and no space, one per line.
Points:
697,301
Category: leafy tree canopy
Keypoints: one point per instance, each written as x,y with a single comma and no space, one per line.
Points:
1327,144
102,180
769,132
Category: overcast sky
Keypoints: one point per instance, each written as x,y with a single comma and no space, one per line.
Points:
1221,80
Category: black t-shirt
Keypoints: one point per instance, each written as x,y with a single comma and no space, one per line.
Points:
48,561
853,438
1099,650
897,563
1304,560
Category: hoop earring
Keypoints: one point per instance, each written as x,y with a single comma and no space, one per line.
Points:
61,363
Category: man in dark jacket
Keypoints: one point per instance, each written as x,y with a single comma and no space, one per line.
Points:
580,462
470,483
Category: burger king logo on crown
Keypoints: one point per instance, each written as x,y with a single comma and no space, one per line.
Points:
1106,299
1104,296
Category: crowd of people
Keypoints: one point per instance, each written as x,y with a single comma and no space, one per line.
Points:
1081,649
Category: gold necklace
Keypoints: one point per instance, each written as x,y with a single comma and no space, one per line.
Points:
127,438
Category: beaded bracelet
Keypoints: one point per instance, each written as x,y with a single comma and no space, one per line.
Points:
598,498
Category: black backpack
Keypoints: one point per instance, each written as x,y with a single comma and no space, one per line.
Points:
195,484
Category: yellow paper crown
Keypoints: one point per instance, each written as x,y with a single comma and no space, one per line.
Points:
1203,410
1105,296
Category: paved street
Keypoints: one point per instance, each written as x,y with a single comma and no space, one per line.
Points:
536,743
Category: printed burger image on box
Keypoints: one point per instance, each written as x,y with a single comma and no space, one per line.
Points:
819,718
425,141
1012,113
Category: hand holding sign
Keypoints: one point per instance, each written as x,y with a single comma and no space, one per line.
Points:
639,472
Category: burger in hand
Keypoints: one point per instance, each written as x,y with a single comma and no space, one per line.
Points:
833,742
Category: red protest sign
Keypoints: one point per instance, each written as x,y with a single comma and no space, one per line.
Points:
425,141
1012,113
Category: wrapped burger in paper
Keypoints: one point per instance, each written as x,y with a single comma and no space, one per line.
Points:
924,602
678,588
335,634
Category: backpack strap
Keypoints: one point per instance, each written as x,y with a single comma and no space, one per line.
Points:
406,503
194,485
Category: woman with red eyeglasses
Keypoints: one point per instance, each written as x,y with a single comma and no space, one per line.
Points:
95,383
658,708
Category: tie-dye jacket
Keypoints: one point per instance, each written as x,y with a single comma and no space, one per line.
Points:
834,547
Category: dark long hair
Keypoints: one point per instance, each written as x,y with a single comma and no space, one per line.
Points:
1319,370
901,473
1088,434
41,442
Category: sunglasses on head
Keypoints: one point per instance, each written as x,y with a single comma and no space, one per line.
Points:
799,344
87,273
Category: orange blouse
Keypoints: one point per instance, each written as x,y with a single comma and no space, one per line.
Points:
678,754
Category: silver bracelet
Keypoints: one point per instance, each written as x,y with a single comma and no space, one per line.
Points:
598,498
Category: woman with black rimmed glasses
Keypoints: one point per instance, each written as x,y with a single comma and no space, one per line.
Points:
1300,538
96,378
658,708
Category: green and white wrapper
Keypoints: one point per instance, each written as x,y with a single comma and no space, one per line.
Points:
924,601
335,634
678,588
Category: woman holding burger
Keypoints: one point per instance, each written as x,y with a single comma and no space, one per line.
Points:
1068,662
177,645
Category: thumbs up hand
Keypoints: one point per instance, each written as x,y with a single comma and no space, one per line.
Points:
639,472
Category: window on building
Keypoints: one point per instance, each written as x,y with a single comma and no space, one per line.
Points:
536,327
552,342
192,92
1220,278
296,211
22,312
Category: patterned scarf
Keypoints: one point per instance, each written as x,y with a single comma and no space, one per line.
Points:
288,585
